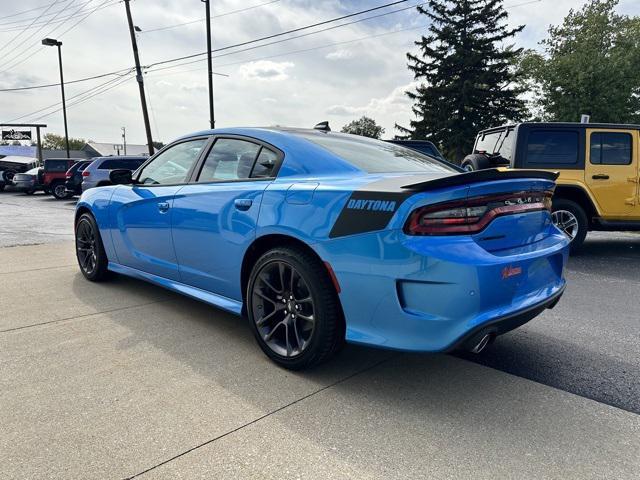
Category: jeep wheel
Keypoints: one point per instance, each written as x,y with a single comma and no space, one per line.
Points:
293,309
572,220
1,187
59,191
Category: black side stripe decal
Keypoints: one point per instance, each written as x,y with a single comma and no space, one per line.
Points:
367,211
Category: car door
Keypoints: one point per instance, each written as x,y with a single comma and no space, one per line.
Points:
214,219
611,171
141,213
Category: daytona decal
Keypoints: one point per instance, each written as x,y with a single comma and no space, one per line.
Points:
367,211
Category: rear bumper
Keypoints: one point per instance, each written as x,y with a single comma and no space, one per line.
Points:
431,295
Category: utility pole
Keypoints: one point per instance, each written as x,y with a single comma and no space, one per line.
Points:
143,99
124,139
212,120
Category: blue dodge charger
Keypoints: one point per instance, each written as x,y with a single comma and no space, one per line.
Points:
320,237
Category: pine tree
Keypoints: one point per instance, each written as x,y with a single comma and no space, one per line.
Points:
468,75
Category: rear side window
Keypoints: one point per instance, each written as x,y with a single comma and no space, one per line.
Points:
552,147
229,159
610,148
265,164
376,156
489,142
127,163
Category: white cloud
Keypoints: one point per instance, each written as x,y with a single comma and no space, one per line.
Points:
265,70
339,55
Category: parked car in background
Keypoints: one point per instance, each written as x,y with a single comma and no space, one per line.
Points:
12,164
28,182
73,183
426,147
54,176
599,166
97,174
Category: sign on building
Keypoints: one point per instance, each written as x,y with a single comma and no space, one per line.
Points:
16,134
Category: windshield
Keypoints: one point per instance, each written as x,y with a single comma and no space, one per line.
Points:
376,156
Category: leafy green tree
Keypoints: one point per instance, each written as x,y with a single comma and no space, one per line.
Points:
365,126
468,74
56,142
590,64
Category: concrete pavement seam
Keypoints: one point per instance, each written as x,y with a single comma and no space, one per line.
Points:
81,317
38,269
268,414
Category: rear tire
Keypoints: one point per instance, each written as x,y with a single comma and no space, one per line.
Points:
59,191
30,192
293,308
572,220
90,253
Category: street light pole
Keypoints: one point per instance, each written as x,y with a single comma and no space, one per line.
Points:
50,42
212,120
124,139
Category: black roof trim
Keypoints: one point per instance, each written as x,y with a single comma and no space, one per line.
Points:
628,126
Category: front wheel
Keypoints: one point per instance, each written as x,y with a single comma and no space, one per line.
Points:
572,220
90,253
293,308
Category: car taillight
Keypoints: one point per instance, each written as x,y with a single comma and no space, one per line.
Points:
474,214
68,175
86,173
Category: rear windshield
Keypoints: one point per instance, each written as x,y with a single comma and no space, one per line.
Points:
376,156
56,165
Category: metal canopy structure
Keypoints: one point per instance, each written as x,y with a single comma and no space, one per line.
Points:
37,126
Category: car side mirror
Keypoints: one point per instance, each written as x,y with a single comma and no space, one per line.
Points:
121,176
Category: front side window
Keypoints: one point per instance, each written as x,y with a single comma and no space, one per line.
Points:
552,147
376,156
172,166
229,159
56,165
610,148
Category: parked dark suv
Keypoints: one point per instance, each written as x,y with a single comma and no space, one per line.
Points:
54,176
74,178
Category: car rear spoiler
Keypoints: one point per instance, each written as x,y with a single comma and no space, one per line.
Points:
480,176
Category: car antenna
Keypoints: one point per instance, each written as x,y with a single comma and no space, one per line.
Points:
323,126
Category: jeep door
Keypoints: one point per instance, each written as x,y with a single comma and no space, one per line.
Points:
611,171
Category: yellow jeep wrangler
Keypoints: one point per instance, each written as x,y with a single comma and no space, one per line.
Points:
599,183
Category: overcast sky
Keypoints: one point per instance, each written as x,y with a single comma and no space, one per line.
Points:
337,75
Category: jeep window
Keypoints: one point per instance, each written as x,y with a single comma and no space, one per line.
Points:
376,156
610,148
488,142
557,147
56,165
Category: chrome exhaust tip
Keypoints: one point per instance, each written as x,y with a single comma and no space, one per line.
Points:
482,344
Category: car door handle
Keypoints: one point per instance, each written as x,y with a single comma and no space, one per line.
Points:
600,176
163,206
243,204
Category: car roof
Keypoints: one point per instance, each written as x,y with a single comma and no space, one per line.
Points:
561,125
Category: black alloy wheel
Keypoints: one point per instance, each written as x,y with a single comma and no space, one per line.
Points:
293,308
90,253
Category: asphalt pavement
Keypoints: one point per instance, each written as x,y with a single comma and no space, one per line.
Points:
127,380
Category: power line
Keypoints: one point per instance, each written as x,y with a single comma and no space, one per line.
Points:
16,52
176,25
82,19
32,87
31,18
25,11
290,38
21,32
58,20
268,37
56,104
